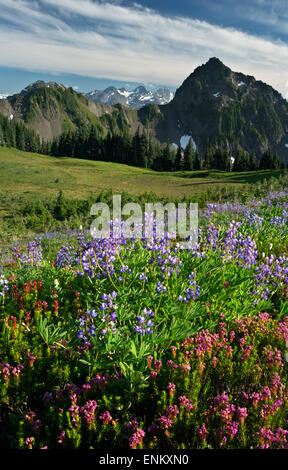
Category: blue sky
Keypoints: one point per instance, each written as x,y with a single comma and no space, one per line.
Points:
89,44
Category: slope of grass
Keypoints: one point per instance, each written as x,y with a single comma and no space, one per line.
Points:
31,175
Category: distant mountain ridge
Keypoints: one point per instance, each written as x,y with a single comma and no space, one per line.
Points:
51,109
218,108
135,99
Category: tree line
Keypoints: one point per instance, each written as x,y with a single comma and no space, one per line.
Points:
138,150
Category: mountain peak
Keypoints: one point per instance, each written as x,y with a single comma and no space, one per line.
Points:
41,84
214,61
140,89
135,99
213,65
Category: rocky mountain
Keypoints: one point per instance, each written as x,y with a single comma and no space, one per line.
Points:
135,99
41,84
221,108
215,106
51,109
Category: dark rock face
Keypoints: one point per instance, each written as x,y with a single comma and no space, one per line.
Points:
222,108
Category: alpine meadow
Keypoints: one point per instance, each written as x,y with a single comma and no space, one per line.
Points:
160,323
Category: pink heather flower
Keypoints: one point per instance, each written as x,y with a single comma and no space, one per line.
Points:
232,335
61,437
171,387
242,414
88,411
157,365
269,439
73,398
165,423
203,433
172,412
276,382
183,400
74,413
265,394
136,439
173,351
221,400
153,374
85,388
106,418
278,358
232,428
149,359
214,361
270,410
227,413
185,367
255,399
186,403
5,370
31,358
30,416
246,353
29,442
171,364
201,367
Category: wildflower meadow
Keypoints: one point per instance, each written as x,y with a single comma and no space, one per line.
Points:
138,343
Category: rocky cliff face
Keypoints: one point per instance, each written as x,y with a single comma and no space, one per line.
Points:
219,107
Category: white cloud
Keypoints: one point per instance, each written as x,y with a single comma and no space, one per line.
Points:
109,40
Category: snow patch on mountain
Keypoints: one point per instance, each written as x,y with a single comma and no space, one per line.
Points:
184,141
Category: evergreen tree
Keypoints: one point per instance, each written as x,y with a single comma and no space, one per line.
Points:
168,158
197,162
189,156
207,159
178,160
252,162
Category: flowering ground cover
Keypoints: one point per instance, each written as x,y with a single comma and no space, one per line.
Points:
122,343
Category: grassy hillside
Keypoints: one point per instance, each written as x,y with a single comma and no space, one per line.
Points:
34,175
30,185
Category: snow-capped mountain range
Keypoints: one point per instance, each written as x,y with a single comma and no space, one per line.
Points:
133,99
